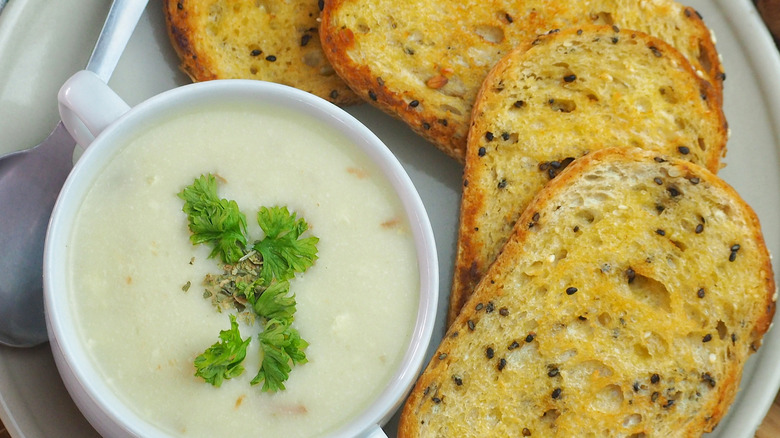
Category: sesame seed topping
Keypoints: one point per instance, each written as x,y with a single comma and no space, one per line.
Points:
519,104
530,337
255,52
481,152
513,345
556,393
660,232
503,311
630,274
501,364
570,78
414,103
505,136
372,95
700,293
479,307
699,228
489,136
458,380
502,183
526,431
707,338
655,378
270,58
684,150
658,180
321,4
673,191
489,353
305,39
442,356
571,290
471,325
552,372
436,400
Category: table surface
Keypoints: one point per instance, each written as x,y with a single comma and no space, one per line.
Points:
770,428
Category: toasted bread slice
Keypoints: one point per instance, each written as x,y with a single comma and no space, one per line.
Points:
270,40
424,62
626,303
558,97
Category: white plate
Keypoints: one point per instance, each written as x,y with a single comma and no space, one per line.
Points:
39,49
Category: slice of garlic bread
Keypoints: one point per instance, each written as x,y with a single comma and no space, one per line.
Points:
626,303
270,40
558,97
424,61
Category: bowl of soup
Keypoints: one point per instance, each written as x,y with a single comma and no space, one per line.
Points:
147,319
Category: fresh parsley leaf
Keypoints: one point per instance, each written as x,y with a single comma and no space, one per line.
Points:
284,252
275,303
282,347
223,360
212,220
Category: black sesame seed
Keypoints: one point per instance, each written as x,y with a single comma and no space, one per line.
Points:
481,152
615,40
321,4
334,94
436,400
503,311
526,431
426,126
414,103
535,217
489,136
684,150
660,232
556,393
655,378
700,293
555,164
458,381
179,6
255,52
372,95
576,228
707,338
673,191
519,104
443,122
530,337
505,136
501,364
659,160
706,377
657,53
442,356
570,78
635,386
490,307
489,353
552,372
509,18
471,325
699,228
479,307
571,291
305,39
654,396
658,180
270,58
502,183
694,180
669,403
513,345
660,208
735,247
630,274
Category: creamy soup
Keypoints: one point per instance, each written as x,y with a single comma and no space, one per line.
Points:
130,260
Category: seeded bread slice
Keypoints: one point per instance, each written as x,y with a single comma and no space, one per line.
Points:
626,303
558,97
424,61
270,40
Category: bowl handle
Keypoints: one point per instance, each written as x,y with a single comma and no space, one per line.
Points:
87,106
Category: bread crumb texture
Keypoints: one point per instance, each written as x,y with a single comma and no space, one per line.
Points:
558,97
424,62
270,40
625,304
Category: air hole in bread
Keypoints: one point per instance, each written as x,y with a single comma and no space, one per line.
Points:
704,58
632,420
587,215
253,70
694,314
602,18
701,143
656,344
641,351
722,330
313,58
651,292
604,319
491,34
668,94
451,109
534,268
680,245
562,105
637,435
550,416
608,399
643,105
363,28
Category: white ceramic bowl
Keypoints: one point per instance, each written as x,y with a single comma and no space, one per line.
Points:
85,100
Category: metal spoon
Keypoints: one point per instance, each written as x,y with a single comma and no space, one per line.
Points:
30,181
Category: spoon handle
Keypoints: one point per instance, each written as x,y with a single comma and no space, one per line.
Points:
116,32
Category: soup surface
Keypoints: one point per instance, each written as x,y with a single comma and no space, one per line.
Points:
130,261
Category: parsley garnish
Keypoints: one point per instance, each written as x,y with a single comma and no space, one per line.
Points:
223,359
255,278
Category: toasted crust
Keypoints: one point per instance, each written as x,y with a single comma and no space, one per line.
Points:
424,62
558,97
609,315
270,40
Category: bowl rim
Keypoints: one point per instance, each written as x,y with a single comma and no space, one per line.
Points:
101,407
